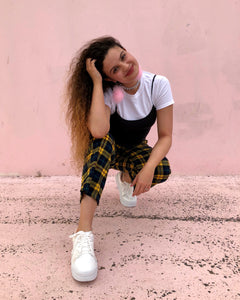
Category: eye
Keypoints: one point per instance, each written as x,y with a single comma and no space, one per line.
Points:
115,70
123,56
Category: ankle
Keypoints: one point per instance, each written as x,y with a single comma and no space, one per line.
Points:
84,228
125,177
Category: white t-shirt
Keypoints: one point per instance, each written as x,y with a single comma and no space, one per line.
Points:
139,105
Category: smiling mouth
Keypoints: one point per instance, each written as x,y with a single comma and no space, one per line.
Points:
130,71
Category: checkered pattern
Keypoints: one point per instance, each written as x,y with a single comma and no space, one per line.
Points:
104,154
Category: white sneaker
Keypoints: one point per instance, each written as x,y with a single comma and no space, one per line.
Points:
125,191
83,263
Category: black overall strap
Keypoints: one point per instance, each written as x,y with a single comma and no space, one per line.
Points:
152,84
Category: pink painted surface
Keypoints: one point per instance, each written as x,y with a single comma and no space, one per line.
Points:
196,45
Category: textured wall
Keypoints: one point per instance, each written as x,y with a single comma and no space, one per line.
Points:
196,44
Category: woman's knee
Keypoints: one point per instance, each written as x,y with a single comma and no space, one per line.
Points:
162,171
107,143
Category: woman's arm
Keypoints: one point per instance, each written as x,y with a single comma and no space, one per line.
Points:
165,126
99,114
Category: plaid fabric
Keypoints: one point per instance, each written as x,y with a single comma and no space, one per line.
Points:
104,154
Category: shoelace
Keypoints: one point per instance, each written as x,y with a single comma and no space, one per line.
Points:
126,189
82,244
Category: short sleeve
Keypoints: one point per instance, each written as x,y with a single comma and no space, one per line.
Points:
108,99
162,94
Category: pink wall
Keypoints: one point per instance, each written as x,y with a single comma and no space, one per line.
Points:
196,44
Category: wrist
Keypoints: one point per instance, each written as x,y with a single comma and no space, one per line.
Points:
97,82
150,166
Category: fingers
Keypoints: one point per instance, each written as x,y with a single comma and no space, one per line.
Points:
146,189
91,61
134,181
90,64
141,185
141,188
92,70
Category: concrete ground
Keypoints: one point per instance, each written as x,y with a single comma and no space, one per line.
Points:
182,241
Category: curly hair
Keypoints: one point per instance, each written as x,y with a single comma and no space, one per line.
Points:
79,93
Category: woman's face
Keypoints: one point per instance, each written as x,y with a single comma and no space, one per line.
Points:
119,65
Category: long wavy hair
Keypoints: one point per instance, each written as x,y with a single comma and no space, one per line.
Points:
79,93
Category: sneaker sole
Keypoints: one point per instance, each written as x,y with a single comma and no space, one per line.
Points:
125,203
84,278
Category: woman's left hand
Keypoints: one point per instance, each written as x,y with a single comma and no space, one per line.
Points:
143,181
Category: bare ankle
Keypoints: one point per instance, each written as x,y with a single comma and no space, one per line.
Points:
125,177
84,228
87,209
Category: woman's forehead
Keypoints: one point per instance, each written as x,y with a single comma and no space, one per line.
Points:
112,57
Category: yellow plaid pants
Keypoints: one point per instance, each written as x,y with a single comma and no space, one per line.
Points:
104,154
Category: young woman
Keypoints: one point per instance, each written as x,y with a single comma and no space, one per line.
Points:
109,133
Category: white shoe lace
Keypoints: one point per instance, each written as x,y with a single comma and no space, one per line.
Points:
126,189
82,244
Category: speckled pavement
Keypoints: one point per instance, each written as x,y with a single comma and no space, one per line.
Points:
182,241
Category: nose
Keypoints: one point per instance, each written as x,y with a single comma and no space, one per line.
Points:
125,66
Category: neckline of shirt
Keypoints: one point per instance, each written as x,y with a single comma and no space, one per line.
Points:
137,92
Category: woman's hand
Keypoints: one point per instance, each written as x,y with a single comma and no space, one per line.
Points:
92,70
143,181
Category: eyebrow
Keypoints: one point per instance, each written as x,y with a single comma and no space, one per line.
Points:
120,59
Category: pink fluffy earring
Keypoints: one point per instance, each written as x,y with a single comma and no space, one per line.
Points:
139,73
117,94
118,90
